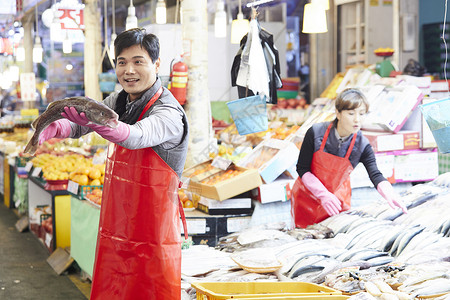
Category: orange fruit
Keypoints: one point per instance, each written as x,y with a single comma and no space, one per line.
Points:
95,182
83,180
188,204
95,173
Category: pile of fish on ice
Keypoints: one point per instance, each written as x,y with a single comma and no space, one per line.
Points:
370,252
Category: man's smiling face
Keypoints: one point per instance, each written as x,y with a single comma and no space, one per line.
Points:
135,71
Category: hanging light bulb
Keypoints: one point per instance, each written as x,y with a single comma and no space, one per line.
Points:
220,20
37,49
325,4
239,27
111,46
55,28
161,16
67,44
131,21
20,53
314,19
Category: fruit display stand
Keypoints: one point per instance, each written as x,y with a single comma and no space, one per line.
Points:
48,214
83,232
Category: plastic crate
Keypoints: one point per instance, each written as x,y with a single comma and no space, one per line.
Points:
261,290
86,189
21,161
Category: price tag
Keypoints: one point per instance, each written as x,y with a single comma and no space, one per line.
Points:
28,166
36,172
221,163
72,187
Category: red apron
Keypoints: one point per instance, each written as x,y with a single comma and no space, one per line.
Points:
334,172
138,253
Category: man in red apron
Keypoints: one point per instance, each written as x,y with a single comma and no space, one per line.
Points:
138,253
328,155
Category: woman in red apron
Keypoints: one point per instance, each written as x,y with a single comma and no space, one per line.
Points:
328,155
138,253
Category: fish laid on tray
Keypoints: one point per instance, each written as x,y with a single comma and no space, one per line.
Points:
95,111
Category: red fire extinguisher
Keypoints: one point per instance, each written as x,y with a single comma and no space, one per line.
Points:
178,80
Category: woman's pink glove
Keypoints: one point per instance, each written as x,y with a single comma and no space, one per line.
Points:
115,135
329,201
59,129
387,191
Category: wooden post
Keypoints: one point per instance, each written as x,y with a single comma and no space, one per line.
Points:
92,49
198,106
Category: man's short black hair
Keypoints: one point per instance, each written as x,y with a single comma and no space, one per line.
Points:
137,36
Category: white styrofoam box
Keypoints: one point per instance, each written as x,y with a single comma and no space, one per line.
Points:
385,163
278,190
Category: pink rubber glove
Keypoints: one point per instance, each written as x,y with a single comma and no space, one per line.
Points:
387,191
115,135
59,129
329,201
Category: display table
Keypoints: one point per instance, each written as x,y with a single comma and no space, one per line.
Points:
49,214
2,175
83,233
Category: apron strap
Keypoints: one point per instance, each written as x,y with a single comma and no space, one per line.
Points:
325,138
183,217
350,148
150,103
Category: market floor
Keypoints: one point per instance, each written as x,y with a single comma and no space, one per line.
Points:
24,271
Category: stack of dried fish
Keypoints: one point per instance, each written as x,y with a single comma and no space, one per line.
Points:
372,249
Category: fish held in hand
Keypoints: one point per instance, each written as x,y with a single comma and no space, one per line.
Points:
95,111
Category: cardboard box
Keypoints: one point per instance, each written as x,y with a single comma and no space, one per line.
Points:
400,166
247,180
271,158
386,141
225,207
390,108
278,190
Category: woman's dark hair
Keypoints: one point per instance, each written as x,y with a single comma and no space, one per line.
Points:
349,99
137,36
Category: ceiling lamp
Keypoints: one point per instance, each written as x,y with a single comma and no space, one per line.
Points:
314,19
14,71
257,2
37,49
161,17
131,21
239,27
67,44
220,20
325,4
55,28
